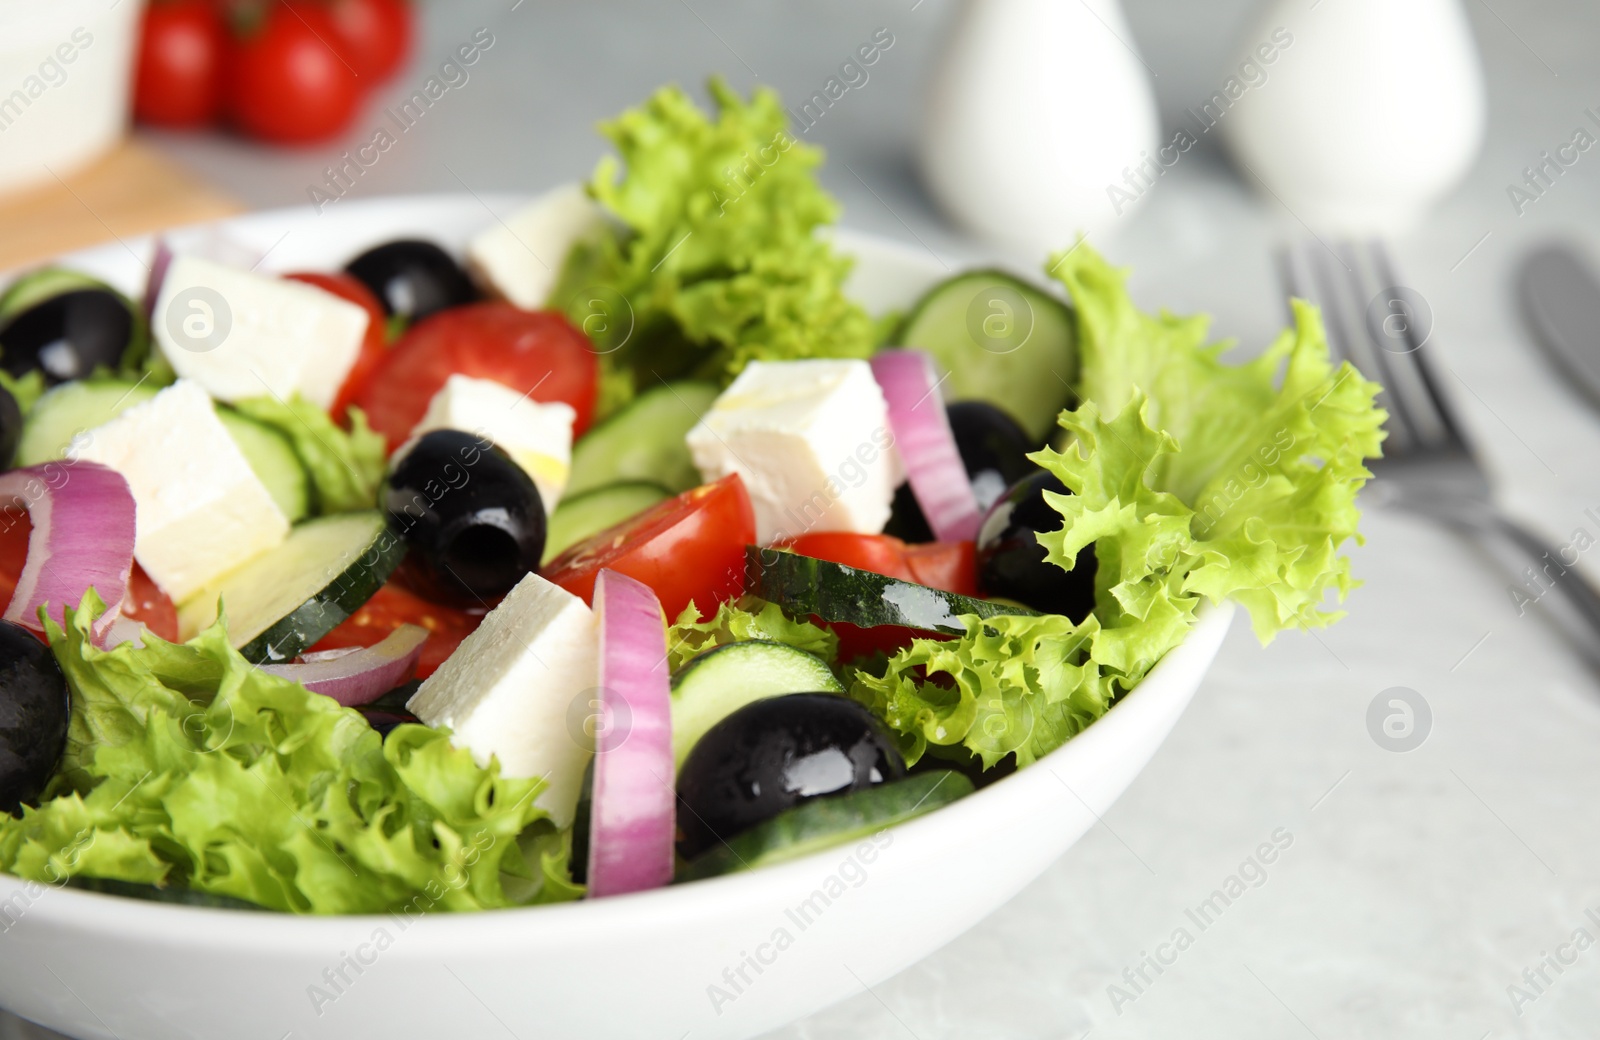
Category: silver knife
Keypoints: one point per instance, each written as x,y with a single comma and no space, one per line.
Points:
1560,299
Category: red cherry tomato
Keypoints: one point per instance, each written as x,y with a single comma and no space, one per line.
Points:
537,353
686,548
181,48
286,82
951,566
145,601
374,35
394,606
374,348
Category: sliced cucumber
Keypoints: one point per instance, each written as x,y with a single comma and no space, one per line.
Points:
644,441
830,821
1002,341
720,681
272,457
833,592
289,597
38,286
578,517
71,408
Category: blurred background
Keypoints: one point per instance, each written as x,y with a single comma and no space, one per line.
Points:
1420,884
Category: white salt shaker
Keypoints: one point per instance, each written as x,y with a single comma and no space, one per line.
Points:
1373,111
1036,111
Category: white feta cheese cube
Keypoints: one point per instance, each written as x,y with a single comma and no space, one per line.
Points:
240,334
537,435
518,688
201,510
520,260
811,441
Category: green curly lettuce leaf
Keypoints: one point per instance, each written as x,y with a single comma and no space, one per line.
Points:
187,766
1192,480
750,618
345,466
1268,455
1012,684
719,255
26,388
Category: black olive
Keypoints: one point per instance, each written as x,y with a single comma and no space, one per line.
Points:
34,705
412,278
384,719
578,860
994,450
1011,562
10,427
472,518
68,335
774,754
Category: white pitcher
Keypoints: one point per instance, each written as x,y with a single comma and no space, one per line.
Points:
1375,110
1037,109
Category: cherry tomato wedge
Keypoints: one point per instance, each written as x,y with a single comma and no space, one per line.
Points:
951,566
145,602
374,348
686,548
538,353
394,606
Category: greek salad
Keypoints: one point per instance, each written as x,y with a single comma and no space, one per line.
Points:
623,549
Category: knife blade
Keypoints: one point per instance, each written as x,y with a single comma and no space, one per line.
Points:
1560,299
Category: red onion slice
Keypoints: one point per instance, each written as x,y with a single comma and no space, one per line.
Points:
361,676
927,446
632,822
158,274
83,533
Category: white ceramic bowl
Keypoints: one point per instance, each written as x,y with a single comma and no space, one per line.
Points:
726,958
66,73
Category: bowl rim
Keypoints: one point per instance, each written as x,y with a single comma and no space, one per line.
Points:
261,931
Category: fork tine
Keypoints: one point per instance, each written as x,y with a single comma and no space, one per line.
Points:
1340,290
1415,357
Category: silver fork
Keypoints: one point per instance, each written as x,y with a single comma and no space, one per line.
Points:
1429,467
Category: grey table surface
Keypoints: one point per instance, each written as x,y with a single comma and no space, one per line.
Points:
1419,886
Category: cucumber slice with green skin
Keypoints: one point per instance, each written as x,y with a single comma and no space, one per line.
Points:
827,822
155,894
833,592
720,681
644,441
71,408
579,516
286,599
1002,341
38,286
272,457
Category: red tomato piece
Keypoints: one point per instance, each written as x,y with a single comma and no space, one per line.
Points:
537,353
374,348
145,601
286,83
374,35
179,80
394,606
951,566
687,548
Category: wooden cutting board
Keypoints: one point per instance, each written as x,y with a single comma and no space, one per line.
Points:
132,191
